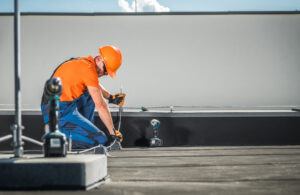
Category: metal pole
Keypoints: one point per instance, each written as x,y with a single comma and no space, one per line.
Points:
120,111
17,129
135,6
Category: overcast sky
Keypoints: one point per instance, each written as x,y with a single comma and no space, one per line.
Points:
150,5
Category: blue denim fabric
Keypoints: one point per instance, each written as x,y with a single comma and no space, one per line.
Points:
76,119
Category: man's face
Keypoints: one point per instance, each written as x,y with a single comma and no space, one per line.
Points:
101,66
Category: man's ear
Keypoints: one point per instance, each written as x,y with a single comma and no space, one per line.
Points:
97,59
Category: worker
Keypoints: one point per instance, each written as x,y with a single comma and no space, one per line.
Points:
82,93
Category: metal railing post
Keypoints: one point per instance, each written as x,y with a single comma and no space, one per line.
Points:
17,129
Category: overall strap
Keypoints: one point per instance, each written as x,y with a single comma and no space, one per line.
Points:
62,64
45,99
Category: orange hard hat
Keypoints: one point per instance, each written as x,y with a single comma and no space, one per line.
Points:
112,58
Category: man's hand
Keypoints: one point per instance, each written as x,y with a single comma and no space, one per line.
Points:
118,135
118,99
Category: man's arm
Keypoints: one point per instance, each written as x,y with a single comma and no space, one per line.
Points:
105,93
102,108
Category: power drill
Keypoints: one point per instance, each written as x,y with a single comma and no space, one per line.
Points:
55,143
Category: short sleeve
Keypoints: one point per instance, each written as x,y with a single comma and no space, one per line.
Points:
90,77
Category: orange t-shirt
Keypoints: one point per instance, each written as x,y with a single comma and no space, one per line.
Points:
76,75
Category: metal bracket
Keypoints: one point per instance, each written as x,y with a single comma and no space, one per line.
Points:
14,128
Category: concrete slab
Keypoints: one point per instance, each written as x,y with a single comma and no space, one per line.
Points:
36,172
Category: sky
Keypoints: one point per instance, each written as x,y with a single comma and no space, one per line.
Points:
149,5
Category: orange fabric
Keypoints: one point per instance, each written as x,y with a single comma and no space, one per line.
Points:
76,75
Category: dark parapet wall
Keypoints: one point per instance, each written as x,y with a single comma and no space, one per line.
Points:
186,129
214,128
221,131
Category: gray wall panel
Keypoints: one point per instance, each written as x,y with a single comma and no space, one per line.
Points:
6,62
203,60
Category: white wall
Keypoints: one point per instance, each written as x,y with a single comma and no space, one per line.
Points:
203,60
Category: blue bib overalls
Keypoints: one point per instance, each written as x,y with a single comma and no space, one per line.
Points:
76,120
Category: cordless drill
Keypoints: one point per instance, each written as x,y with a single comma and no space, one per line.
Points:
54,141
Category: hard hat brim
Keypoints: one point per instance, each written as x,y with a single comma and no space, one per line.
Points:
111,74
